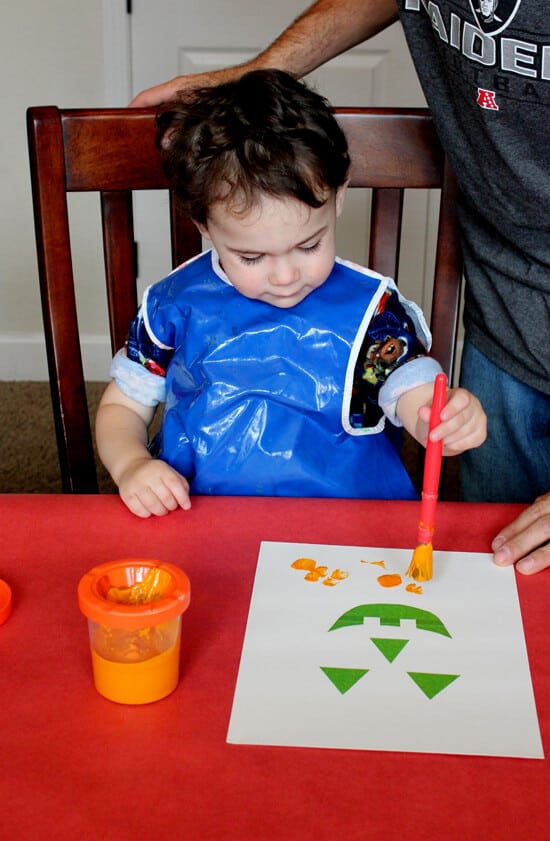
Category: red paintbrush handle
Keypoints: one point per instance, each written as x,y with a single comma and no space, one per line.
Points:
432,464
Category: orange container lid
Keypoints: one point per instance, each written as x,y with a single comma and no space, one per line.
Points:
94,603
5,601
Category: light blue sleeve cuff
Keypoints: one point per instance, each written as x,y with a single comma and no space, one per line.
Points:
136,382
418,371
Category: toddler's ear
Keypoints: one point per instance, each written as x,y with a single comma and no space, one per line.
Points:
165,138
340,196
203,230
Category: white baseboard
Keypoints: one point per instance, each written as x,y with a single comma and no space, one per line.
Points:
23,357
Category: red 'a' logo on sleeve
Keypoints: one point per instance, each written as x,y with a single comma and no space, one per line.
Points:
486,99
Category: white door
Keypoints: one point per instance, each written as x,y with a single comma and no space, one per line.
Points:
173,37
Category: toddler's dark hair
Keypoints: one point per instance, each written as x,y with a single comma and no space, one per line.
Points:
265,133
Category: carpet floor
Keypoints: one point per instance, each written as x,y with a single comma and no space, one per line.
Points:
28,452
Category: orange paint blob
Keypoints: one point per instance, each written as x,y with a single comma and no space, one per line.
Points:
303,563
378,564
392,580
413,588
316,574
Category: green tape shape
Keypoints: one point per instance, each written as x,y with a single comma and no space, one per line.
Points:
391,615
390,648
431,684
343,679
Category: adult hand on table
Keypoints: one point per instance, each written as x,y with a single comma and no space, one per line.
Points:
526,541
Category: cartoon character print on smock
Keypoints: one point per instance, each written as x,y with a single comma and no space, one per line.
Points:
141,349
390,341
257,398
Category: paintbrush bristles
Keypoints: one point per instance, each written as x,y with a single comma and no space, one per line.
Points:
420,567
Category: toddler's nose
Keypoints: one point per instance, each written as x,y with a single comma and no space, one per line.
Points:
283,273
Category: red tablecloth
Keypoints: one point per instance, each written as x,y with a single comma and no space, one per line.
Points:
76,766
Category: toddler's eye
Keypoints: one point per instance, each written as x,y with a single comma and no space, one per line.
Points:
309,249
249,261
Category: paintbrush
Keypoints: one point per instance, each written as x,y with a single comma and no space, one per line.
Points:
420,567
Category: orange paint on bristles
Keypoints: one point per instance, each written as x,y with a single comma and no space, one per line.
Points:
420,567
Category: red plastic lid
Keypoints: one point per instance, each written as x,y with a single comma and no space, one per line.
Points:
5,601
173,599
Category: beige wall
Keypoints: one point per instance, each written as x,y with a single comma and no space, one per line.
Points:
50,53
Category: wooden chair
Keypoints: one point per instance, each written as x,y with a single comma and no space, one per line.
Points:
112,152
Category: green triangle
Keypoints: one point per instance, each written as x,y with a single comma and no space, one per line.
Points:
343,679
390,648
431,684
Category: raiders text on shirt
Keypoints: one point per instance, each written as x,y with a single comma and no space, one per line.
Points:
510,55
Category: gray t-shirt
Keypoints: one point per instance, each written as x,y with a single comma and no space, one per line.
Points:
485,71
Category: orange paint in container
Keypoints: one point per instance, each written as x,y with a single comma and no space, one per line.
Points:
134,608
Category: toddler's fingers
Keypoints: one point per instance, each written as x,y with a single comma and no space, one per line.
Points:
178,491
458,400
134,503
144,500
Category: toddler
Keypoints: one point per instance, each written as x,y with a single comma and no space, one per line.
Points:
280,365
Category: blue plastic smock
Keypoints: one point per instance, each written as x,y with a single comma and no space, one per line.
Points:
260,400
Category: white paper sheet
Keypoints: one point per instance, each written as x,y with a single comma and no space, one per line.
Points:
442,671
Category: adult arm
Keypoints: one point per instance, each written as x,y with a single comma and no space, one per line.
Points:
326,29
526,541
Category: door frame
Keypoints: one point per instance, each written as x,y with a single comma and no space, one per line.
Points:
117,53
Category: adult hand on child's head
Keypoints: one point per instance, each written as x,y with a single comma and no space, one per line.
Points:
526,541
169,90
150,486
463,424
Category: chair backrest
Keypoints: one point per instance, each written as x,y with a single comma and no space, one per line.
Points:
112,152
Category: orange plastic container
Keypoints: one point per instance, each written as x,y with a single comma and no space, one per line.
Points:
134,608
5,601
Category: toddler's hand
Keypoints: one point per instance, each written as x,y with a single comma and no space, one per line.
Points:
463,423
150,486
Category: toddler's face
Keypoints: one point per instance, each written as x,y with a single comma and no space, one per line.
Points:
278,251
